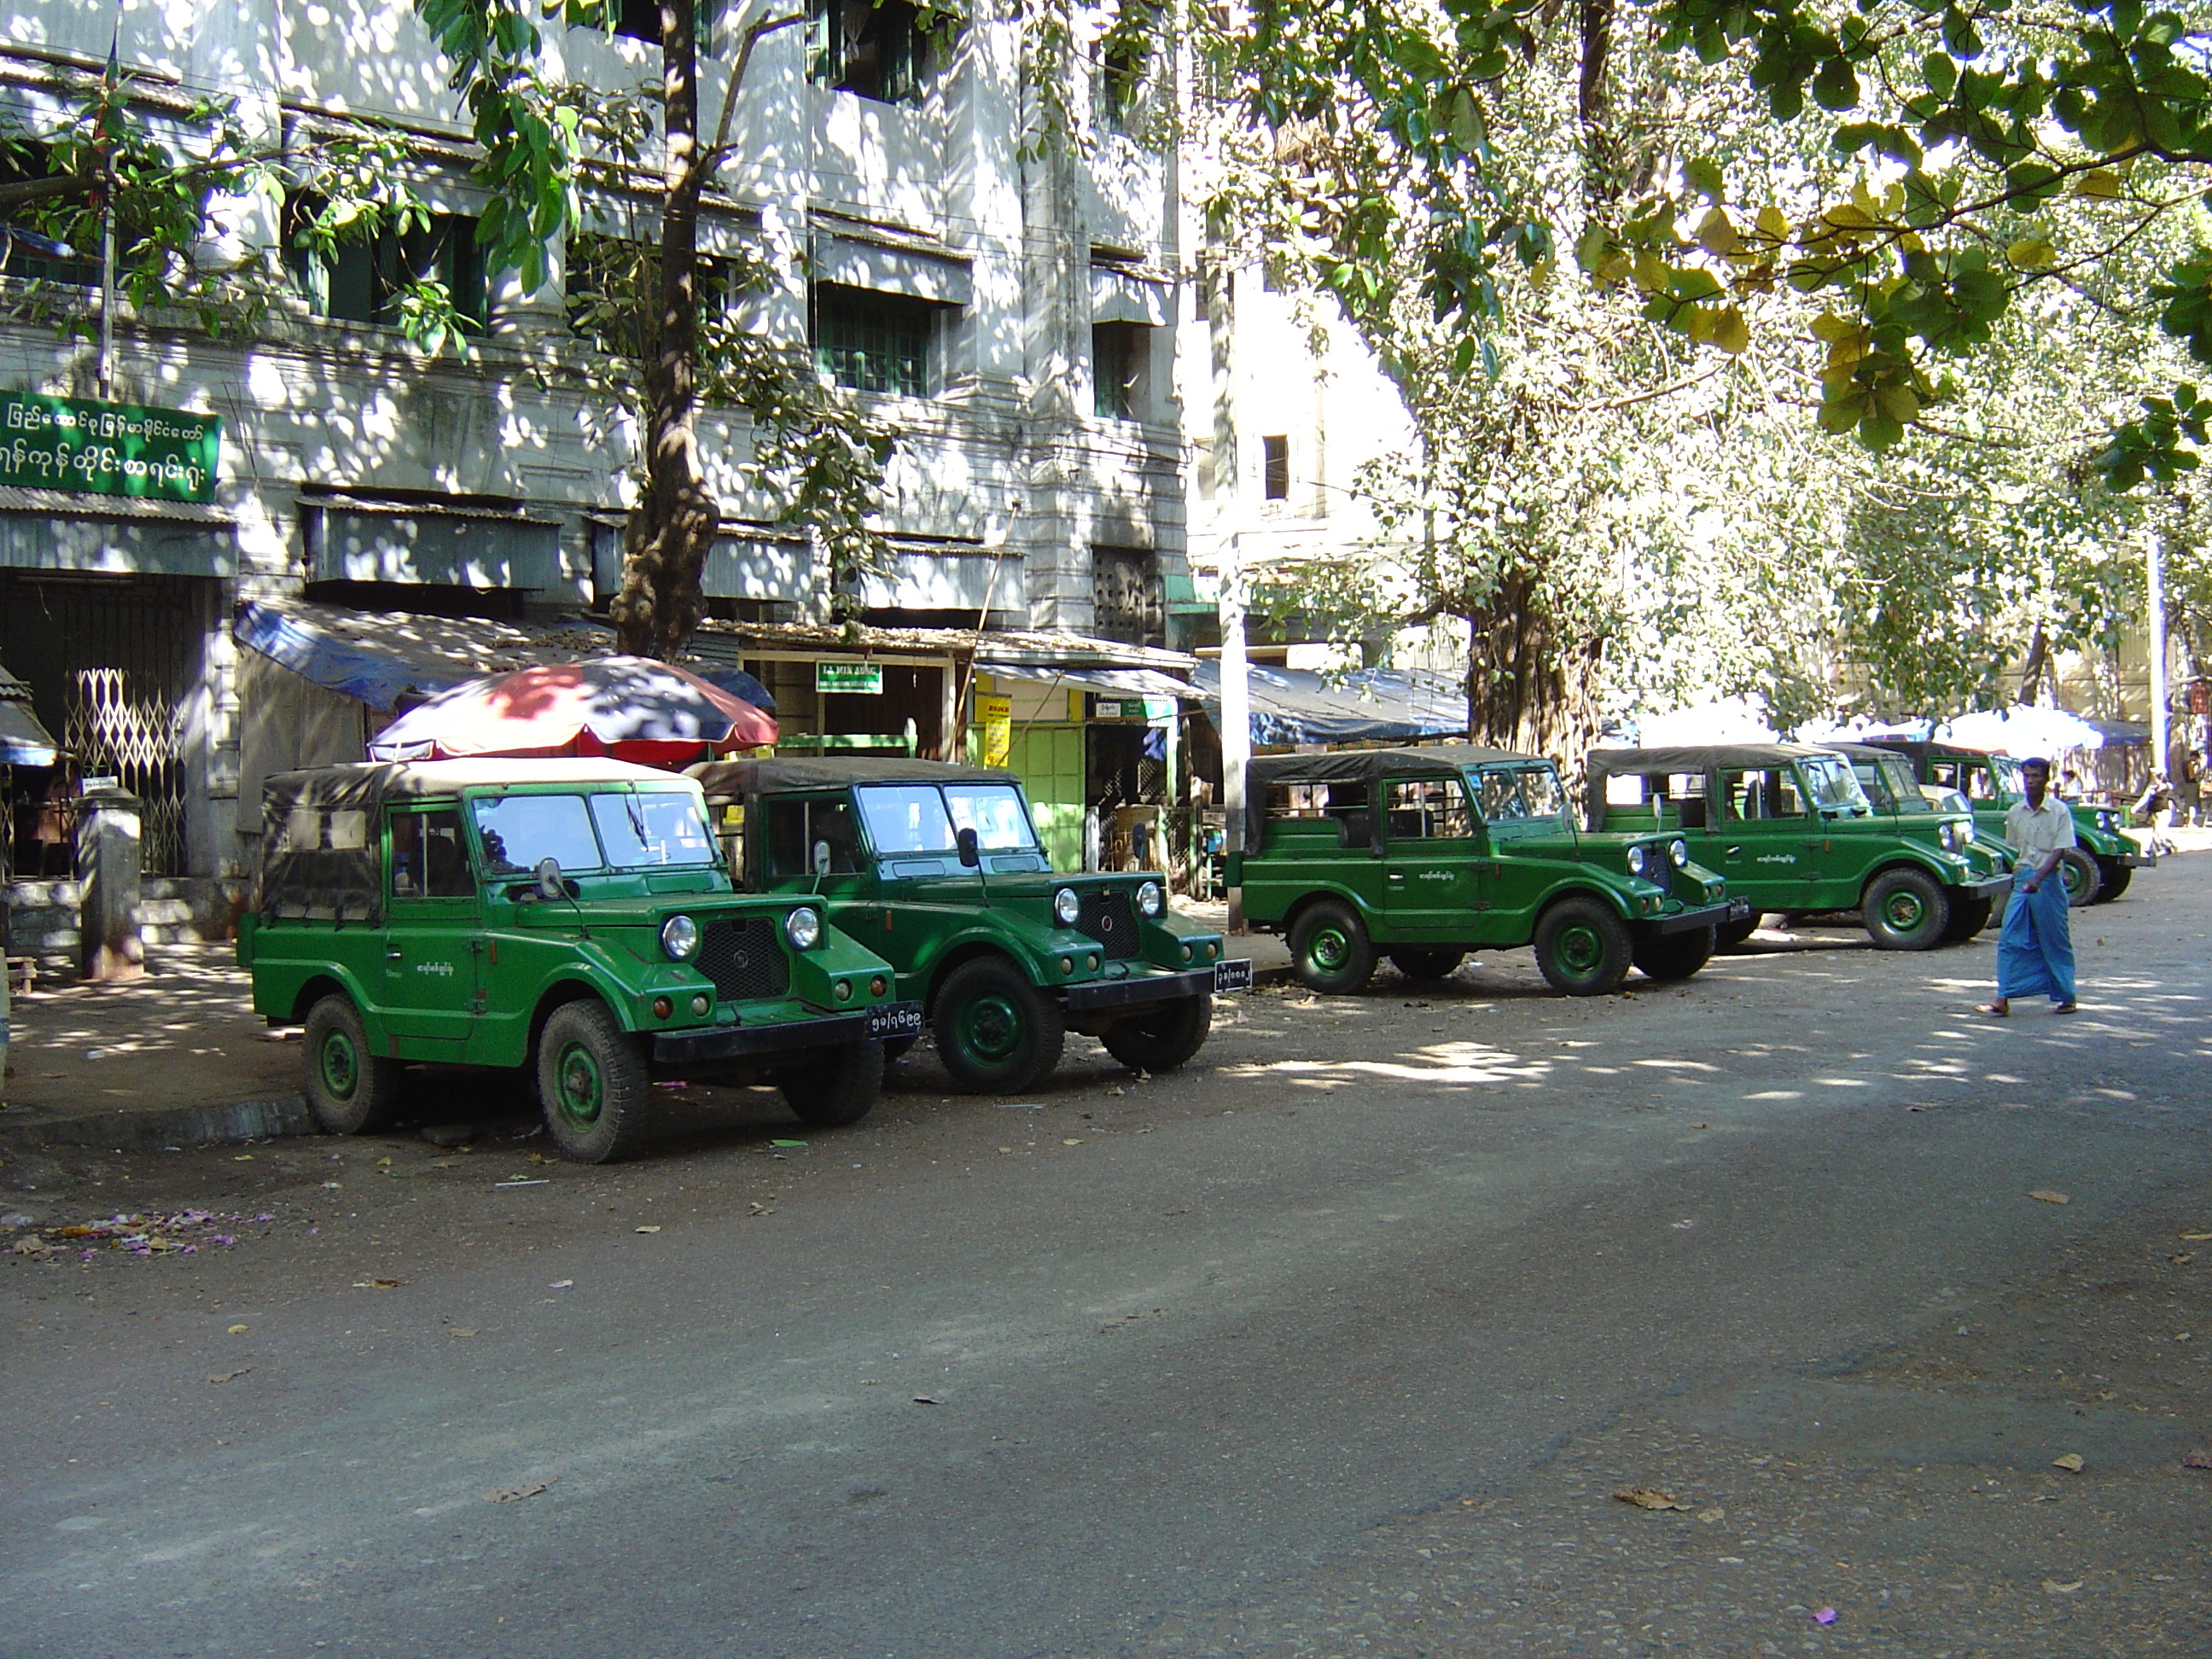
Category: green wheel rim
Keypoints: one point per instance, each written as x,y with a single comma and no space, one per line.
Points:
2075,881
340,1063
582,1093
990,1029
1581,948
1904,910
1330,949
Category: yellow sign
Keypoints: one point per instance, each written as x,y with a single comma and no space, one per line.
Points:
997,717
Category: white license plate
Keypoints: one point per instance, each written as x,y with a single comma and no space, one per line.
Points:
900,1019
1233,975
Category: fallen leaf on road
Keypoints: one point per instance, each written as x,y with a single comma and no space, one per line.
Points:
2049,1197
1711,1515
2196,1459
1645,1498
241,1157
377,1283
787,1143
2071,1461
227,1376
561,1285
462,1330
648,1230
1826,1616
237,1330
925,1399
2052,1587
2196,1238
1697,1126
516,1494
1070,1143
761,1209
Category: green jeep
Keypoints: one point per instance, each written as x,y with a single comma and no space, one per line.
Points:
2100,868
1428,853
938,867
569,920
1940,817
1790,829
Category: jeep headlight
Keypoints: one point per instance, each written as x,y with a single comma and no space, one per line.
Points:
1947,836
2108,821
1066,907
680,937
1148,898
803,928
1635,861
1678,851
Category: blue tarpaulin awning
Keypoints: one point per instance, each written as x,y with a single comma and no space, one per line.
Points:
23,741
1293,706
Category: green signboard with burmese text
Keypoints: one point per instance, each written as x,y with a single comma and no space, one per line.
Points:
108,449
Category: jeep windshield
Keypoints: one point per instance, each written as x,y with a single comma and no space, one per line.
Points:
1521,800
1833,788
910,823
1891,784
607,830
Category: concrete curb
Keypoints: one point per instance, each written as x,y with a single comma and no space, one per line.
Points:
184,1125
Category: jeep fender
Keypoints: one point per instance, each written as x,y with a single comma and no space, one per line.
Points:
1313,895
327,979
1571,888
1928,867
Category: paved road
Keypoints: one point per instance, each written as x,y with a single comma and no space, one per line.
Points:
1225,1363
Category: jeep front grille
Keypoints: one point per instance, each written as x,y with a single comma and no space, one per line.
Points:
744,959
1109,917
1658,868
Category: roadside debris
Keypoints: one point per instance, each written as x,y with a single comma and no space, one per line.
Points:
182,1232
1645,1497
2072,1463
2045,1195
1826,1616
516,1494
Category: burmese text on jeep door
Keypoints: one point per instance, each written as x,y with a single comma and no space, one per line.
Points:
1432,862
432,932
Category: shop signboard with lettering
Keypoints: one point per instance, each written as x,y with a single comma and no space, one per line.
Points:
863,678
108,449
996,715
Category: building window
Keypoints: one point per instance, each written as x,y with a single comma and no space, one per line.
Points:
872,342
1129,601
1117,83
23,252
640,19
364,278
878,51
1276,474
1120,355
613,291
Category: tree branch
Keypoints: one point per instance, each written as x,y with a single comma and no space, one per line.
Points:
754,35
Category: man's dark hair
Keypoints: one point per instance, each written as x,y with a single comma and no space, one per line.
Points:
2036,763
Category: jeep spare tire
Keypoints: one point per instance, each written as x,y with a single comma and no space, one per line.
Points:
1330,950
996,1033
350,1091
1162,1035
593,1079
836,1086
1583,948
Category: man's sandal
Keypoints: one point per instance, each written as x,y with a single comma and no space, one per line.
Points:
2066,1008
1994,1011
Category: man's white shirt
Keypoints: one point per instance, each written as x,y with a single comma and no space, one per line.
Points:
2047,830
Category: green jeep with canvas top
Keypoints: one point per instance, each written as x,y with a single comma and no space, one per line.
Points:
1792,831
1938,816
571,920
938,867
1424,854
2099,869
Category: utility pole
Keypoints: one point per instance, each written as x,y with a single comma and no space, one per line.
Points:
2154,549
1228,519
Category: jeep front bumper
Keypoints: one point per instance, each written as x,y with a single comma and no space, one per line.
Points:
1989,887
886,1020
2133,860
1703,915
1100,993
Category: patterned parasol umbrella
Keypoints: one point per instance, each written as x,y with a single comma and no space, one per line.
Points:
629,708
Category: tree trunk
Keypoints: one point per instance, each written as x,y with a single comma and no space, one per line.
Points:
1528,687
671,528
2038,658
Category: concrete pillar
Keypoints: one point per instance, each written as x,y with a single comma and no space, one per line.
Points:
107,866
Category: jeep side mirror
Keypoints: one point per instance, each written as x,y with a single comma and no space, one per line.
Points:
971,853
549,884
821,857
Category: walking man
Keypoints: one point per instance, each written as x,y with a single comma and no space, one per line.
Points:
2035,951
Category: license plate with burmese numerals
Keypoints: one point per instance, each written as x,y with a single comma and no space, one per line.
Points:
895,1019
1233,975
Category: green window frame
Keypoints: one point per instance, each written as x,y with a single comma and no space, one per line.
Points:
872,342
361,283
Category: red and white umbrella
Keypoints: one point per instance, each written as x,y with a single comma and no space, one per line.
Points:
630,708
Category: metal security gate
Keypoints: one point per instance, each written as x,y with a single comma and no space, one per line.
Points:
114,664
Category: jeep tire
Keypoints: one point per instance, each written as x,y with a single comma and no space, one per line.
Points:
350,1091
1426,965
996,1033
1583,947
592,1081
1330,950
1968,917
836,1086
1674,955
2085,881
1161,1035
1906,910
2113,878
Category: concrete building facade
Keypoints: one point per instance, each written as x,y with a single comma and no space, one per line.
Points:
1008,307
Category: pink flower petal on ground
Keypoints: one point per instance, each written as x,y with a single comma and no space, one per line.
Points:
1826,1616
